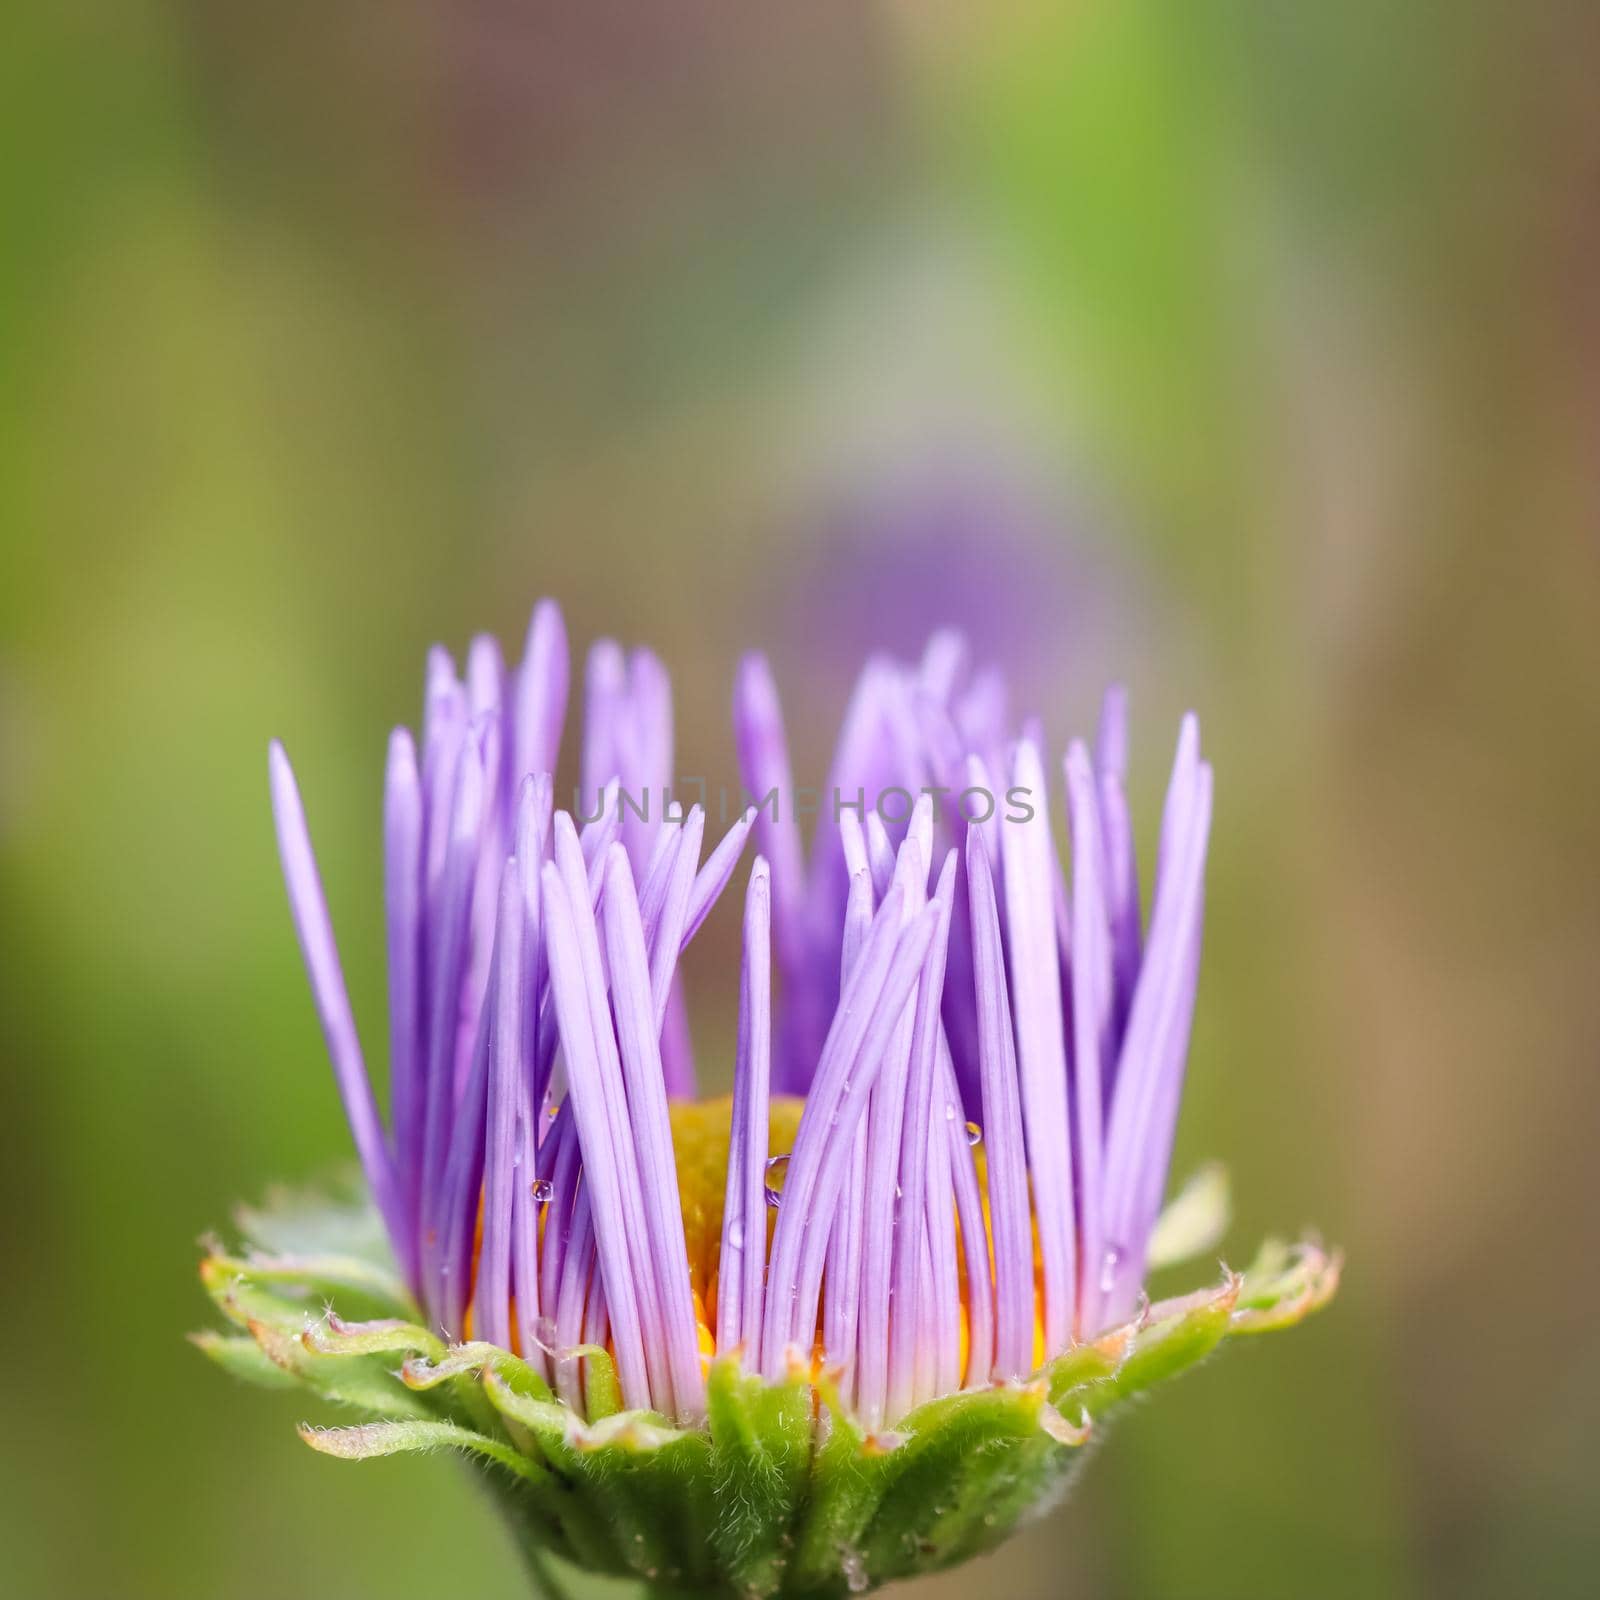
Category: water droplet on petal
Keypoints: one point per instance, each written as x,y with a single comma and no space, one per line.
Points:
542,1190
855,1571
974,1133
777,1171
1108,1268
949,1112
736,1234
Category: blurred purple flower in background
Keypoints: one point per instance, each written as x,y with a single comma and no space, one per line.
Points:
963,540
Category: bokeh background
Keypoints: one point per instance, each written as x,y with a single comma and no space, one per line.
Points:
1248,352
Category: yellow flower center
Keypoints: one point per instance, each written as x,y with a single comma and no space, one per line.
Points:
701,1131
700,1134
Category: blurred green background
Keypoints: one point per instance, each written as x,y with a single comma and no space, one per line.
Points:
1247,351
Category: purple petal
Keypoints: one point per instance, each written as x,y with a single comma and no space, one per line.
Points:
880,1137
638,1032
957,1157
402,884
840,1282
945,663
744,1215
321,953
447,950
507,1087
461,1188
713,877
535,807
839,1153
1030,865
1009,1221
1122,900
561,1158
647,752
763,753
577,1275
862,989
867,1015
601,1192
1091,1019
1150,1070
629,1250
919,1318
1111,738
485,677
541,694
668,937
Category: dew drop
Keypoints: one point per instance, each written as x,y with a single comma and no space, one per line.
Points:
855,1571
736,1234
1108,1268
542,1190
777,1171
974,1133
949,1112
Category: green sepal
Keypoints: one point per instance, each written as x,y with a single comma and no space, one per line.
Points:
1284,1285
761,1441
428,1370
370,1439
962,1453
1173,1335
844,1493
363,1382
781,1493
458,1369
600,1538
656,1483
1087,1368
602,1392
296,1288
388,1336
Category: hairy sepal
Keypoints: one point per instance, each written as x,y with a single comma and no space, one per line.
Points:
781,1492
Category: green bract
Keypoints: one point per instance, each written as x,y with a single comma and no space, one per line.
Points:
781,1493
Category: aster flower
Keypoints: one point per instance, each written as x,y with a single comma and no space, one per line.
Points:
855,1321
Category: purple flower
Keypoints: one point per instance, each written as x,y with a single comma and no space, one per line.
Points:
967,1072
